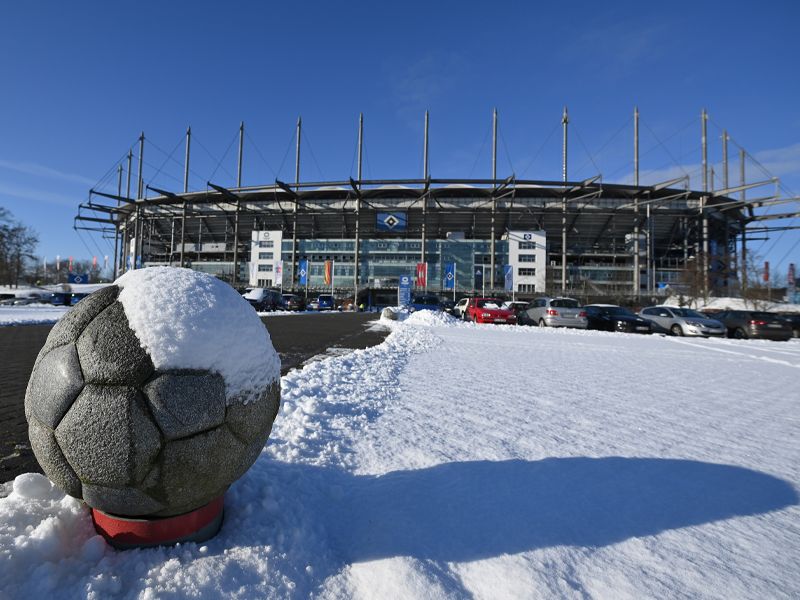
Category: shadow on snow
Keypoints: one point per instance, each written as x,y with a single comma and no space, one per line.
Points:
467,511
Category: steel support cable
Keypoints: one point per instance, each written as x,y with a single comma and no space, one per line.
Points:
353,160
539,151
292,138
166,160
505,147
585,149
224,156
182,165
607,144
113,168
781,186
165,174
196,139
480,151
258,151
366,159
313,156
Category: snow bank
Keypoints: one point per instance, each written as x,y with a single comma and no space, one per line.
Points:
31,314
191,320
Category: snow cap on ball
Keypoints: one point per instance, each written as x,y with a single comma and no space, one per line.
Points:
190,320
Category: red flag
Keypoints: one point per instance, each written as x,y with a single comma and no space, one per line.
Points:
70,264
328,272
94,262
766,270
422,275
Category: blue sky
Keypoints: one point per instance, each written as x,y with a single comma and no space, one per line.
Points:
81,80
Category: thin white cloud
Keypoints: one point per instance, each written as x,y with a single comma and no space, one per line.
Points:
778,162
417,85
43,171
781,161
28,193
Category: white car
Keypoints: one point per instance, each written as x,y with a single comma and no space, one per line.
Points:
683,321
460,309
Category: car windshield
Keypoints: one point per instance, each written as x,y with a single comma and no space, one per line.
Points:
687,312
564,303
326,298
489,303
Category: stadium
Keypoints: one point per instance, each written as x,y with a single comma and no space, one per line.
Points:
507,235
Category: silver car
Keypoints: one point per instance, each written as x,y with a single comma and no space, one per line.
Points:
554,312
683,321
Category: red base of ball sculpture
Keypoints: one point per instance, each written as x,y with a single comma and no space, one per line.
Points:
125,533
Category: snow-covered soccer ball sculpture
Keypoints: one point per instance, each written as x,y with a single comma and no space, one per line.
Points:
152,396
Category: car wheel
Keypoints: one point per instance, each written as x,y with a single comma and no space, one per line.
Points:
676,330
740,334
542,323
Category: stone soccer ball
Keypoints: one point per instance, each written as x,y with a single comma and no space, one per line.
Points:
129,437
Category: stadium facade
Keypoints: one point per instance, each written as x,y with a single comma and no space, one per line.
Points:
556,237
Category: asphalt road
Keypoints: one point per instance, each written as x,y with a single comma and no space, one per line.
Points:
297,338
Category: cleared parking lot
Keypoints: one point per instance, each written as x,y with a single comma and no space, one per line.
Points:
297,338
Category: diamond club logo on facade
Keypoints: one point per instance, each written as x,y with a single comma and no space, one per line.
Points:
391,221
449,276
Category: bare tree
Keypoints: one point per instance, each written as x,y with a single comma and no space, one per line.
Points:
17,247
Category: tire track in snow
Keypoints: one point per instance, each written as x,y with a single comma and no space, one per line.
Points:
740,354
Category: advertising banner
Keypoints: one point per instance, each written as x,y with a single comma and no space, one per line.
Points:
404,290
450,276
302,271
328,272
78,278
422,275
508,270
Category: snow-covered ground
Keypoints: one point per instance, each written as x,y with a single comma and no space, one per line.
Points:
31,314
456,460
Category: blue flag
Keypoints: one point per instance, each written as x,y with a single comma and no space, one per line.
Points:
302,271
450,276
478,276
509,273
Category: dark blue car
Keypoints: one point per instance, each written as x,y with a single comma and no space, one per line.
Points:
425,302
325,302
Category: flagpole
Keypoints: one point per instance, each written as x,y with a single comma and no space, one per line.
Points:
455,281
333,262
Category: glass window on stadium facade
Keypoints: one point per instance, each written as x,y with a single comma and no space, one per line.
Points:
383,261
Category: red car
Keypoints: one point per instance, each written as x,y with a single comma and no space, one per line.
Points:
488,310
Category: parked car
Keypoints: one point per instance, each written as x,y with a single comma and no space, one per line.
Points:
460,308
448,306
76,297
313,304
60,298
346,304
794,322
554,312
488,310
325,302
293,302
610,317
424,302
263,299
683,321
515,306
745,324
